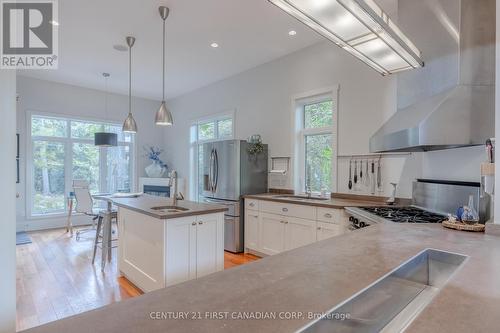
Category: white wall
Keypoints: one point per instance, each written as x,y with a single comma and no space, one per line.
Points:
262,100
7,202
497,118
45,96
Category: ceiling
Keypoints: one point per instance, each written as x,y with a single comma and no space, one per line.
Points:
249,32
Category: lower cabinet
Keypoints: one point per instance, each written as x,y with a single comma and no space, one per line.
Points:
193,248
157,253
270,233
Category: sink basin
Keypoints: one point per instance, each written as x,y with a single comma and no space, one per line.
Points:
299,197
391,303
170,209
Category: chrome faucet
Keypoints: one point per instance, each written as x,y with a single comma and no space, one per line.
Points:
173,182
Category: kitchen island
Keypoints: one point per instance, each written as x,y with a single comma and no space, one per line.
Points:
312,280
162,243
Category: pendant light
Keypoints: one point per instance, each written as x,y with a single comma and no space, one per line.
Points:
130,126
105,139
163,115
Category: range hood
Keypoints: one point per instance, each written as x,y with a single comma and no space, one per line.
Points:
463,115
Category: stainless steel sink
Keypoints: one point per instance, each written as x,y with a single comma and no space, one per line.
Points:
300,197
394,301
170,209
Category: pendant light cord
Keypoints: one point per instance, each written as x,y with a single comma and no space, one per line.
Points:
163,88
130,80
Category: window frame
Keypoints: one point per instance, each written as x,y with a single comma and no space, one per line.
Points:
195,143
68,142
299,102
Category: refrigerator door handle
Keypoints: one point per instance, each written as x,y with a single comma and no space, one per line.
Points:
210,171
216,169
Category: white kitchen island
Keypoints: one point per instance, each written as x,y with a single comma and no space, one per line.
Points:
158,248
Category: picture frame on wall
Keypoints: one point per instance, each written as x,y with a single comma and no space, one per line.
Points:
17,159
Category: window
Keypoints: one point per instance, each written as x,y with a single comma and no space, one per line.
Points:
315,143
212,129
63,149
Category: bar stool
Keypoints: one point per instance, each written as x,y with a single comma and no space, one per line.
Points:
103,235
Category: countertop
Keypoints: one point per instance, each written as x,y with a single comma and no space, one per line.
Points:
314,279
334,202
145,202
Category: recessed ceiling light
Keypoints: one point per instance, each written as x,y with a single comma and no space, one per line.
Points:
292,32
55,23
214,45
119,47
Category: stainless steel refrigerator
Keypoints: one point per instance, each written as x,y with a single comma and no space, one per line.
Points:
228,171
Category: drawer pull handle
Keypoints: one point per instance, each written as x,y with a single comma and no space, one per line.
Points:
256,216
200,223
252,204
286,222
328,215
284,209
282,221
194,223
319,228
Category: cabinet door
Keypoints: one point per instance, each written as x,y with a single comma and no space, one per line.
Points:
299,232
180,250
209,244
327,230
252,230
272,233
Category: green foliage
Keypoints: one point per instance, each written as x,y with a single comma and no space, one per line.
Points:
206,131
48,127
319,161
225,128
318,115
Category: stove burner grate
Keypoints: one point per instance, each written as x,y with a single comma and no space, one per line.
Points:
406,214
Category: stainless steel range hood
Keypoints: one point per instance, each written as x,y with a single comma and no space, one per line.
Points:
463,115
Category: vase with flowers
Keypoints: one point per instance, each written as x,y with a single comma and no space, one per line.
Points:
157,168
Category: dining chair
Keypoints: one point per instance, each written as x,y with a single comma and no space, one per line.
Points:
84,205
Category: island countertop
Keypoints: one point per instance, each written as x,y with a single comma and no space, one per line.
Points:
145,202
314,278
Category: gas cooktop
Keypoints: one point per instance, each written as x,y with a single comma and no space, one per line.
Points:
405,214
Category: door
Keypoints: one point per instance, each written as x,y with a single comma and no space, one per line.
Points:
272,234
252,226
181,253
327,230
208,238
223,170
299,232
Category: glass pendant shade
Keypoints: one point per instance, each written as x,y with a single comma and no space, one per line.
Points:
163,116
103,139
129,125
361,28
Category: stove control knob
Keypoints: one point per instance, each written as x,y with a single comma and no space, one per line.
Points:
351,219
356,222
362,224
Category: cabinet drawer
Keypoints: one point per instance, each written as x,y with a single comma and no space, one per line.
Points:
330,215
286,209
251,204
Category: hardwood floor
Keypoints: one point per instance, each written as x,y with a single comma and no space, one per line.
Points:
56,279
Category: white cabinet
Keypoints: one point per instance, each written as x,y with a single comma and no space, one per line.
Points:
193,247
299,232
252,227
156,253
208,242
181,250
272,234
327,230
274,227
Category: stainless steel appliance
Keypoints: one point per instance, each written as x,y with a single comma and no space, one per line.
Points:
451,101
432,201
228,172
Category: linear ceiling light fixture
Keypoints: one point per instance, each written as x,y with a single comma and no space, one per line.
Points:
129,125
361,28
163,115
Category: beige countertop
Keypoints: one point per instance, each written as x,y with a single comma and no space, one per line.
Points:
314,279
335,202
145,202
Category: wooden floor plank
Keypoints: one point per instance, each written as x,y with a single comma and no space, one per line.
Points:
56,279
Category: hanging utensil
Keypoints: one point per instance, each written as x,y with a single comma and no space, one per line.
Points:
367,174
355,172
350,175
379,176
373,180
361,171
